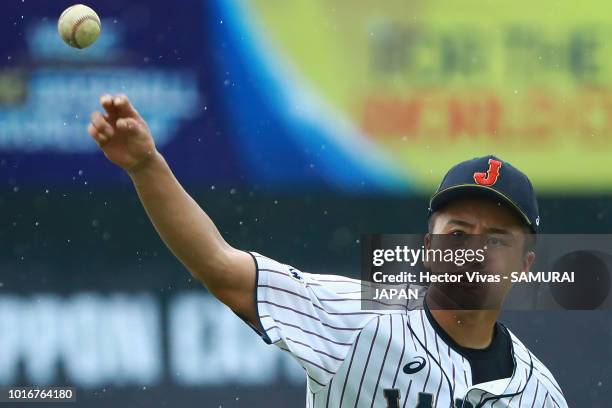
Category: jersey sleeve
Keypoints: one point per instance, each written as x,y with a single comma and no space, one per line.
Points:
313,317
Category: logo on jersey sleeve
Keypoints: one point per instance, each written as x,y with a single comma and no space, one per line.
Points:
295,275
489,177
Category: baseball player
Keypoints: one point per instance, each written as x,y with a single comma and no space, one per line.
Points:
424,358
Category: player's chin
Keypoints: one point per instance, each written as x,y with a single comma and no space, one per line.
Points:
471,295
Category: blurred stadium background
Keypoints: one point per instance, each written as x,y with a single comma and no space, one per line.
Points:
298,125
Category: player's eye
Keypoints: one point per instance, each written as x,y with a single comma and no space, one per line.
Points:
495,242
457,233
457,237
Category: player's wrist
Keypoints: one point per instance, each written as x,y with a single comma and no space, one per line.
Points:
153,161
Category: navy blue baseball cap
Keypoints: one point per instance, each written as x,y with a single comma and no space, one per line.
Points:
493,177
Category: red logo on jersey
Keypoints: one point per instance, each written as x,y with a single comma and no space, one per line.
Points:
490,177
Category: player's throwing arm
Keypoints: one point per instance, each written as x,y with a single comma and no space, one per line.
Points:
125,139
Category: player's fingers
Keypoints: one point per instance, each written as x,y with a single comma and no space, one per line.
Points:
124,107
106,101
128,125
96,136
102,125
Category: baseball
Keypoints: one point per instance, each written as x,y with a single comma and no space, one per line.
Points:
79,26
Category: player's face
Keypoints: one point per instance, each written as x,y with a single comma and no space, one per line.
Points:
480,223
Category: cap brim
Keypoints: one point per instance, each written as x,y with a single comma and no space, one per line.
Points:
443,197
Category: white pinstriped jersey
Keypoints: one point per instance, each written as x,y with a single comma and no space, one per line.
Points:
383,358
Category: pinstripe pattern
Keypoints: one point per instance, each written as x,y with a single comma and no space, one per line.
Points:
351,355
399,361
384,360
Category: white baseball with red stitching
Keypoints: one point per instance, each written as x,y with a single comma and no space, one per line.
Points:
79,26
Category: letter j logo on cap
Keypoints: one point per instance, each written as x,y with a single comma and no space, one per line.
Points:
490,177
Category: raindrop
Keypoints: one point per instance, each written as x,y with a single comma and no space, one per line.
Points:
233,191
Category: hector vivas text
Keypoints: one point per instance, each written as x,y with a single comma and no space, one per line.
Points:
457,260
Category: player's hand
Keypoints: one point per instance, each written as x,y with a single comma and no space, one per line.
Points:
122,133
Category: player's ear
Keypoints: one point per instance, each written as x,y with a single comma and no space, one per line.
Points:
528,259
427,245
529,245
